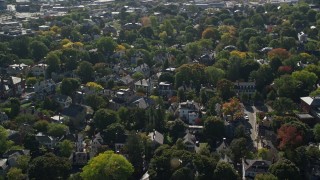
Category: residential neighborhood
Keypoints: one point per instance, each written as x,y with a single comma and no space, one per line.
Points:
152,90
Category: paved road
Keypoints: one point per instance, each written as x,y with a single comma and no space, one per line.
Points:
251,112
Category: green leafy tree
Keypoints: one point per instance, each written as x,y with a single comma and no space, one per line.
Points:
307,78
66,147
15,174
225,89
214,128
105,117
38,50
106,45
57,130
285,169
225,171
137,76
239,148
69,86
135,149
95,101
283,105
107,165
49,166
23,162
214,74
5,144
316,132
41,125
53,61
85,71
14,107
114,133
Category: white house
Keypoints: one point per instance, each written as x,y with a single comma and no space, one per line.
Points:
95,145
3,167
188,111
16,69
39,69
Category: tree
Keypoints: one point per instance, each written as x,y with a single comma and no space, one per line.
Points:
49,166
283,105
53,61
280,53
177,129
38,50
66,148
107,165
95,101
114,133
214,128
193,49
85,71
15,174
285,169
69,86
214,74
290,137
211,33
225,171
225,89
138,76
238,148
23,162
265,176
233,108
263,76
316,132
41,125
190,75
14,107
57,130
287,86
307,78
106,45
5,144
135,151
105,117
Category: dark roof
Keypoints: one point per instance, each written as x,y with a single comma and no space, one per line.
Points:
73,110
20,152
255,165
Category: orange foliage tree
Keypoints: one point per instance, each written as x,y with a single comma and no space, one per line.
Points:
289,136
233,108
279,53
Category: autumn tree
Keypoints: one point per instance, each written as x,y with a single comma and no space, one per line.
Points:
280,53
289,136
107,165
232,108
211,33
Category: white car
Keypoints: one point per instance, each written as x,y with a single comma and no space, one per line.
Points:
246,117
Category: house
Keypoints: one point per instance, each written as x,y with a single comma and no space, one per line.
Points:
3,117
63,100
144,84
57,119
142,103
39,69
188,111
127,80
44,88
17,69
302,37
11,86
79,158
248,88
252,167
96,143
144,69
46,140
190,141
156,138
121,98
165,89
20,152
311,105
14,155
3,167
